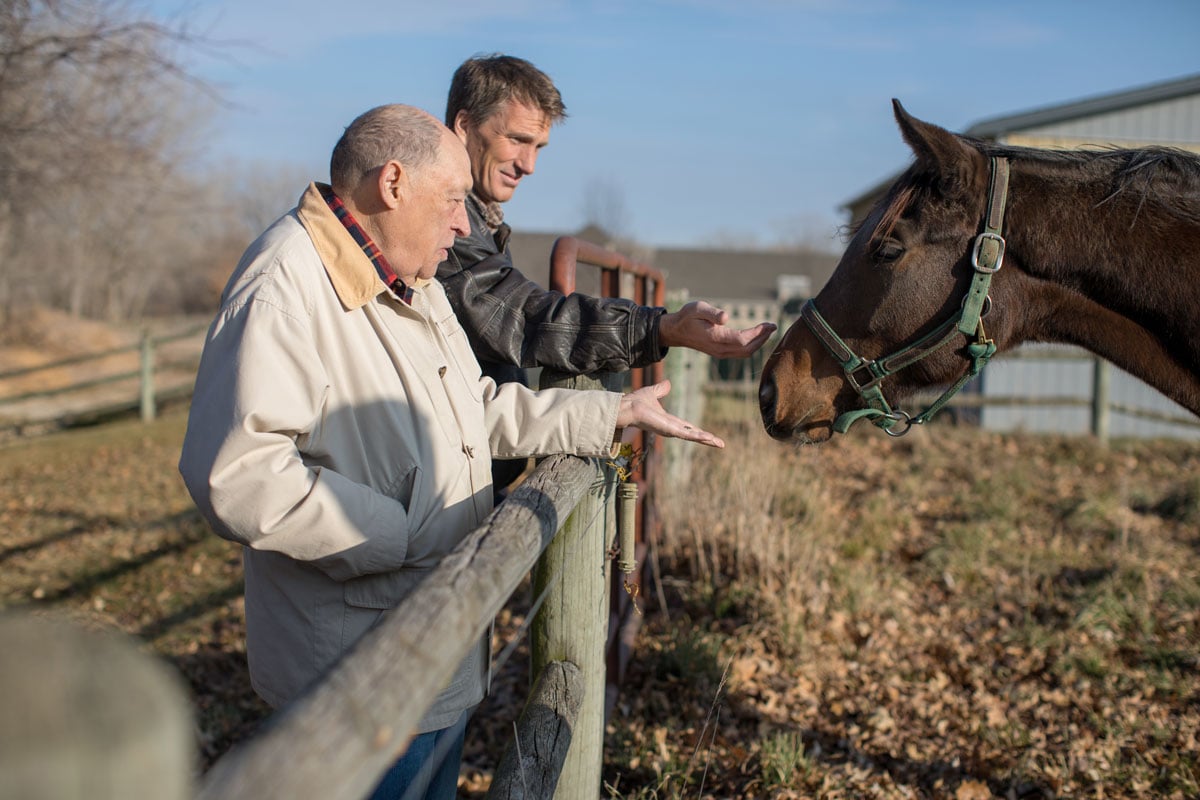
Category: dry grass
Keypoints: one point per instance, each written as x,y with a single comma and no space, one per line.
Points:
954,614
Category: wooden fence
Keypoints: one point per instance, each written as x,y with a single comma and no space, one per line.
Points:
108,382
338,739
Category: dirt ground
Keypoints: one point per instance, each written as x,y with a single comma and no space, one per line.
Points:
969,616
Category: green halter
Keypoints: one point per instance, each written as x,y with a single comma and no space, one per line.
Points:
865,374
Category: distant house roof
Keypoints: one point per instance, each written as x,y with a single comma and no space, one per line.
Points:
717,275
740,275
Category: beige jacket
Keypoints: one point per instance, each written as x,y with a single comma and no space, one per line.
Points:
345,438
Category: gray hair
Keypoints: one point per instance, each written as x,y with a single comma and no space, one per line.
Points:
385,133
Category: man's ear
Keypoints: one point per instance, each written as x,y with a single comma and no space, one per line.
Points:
392,184
462,123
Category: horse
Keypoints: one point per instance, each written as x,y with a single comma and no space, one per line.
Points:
978,247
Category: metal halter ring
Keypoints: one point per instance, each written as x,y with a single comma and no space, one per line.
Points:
987,305
899,416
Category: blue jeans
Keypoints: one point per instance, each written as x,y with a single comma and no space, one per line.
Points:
428,770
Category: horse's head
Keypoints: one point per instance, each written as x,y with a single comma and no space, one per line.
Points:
904,273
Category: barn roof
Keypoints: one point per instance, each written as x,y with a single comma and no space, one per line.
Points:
996,128
1087,107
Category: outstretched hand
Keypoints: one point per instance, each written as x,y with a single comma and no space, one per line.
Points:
702,326
642,409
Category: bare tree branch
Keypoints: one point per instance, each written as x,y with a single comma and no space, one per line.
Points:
97,117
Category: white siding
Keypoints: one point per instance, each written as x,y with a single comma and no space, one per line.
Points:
1055,377
1170,122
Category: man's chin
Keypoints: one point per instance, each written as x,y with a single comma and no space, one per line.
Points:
504,192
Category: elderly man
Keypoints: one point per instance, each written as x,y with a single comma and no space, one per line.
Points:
502,108
341,430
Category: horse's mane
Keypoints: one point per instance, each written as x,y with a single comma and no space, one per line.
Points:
1167,177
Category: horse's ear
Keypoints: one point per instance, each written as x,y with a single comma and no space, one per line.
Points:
940,153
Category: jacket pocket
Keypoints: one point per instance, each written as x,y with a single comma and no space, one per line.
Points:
368,597
404,486
384,590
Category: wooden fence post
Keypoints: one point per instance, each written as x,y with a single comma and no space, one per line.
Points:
147,378
572,625
1101,389
533,761
89,715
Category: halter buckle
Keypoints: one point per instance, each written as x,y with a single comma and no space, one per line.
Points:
975,252
868,365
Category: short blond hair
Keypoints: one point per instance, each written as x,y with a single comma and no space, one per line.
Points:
482,84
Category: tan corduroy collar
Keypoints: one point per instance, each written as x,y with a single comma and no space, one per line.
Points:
350,271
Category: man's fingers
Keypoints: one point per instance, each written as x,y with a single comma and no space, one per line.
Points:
647,413
700,311
730,343
693,434
762,333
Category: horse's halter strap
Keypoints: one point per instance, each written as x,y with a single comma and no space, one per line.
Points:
865,374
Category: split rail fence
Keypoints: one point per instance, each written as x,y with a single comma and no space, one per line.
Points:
113,381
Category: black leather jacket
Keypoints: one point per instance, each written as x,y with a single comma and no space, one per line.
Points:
513,322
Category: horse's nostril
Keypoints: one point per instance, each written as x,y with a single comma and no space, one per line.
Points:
766,397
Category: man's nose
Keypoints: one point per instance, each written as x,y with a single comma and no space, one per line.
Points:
527,159
460,223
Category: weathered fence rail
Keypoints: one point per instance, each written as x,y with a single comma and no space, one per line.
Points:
337,740
117,388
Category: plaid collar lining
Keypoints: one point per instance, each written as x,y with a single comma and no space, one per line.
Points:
382,267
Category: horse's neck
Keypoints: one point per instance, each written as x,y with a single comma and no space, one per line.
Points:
1137,268
1126,253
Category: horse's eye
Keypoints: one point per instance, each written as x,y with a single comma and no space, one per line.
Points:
888,250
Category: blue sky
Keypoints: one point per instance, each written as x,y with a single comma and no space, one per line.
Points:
704,120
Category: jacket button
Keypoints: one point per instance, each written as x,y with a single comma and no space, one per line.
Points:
442,372
470,451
